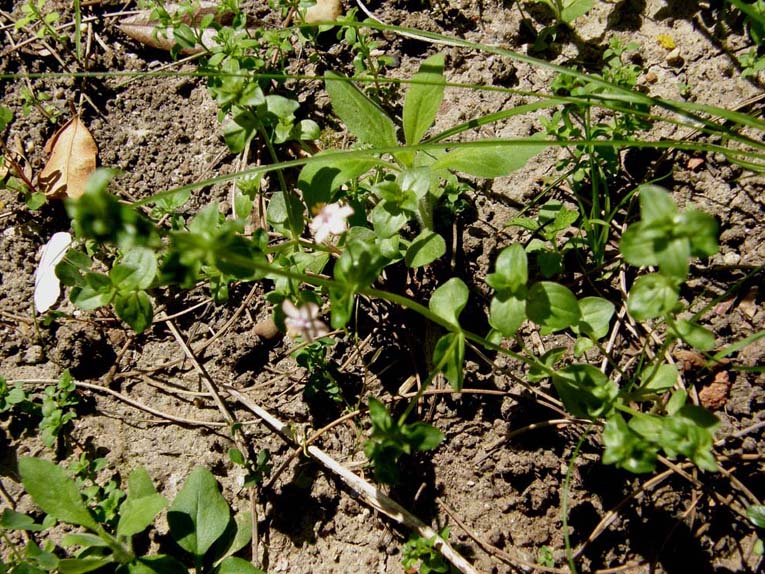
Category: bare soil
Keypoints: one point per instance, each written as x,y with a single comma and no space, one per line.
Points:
508,493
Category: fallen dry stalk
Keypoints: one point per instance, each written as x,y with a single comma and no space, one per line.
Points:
366,491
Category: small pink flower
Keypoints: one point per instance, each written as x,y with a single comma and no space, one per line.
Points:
303,321
332,219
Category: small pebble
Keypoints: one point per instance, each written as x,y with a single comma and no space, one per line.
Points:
34,355
731,258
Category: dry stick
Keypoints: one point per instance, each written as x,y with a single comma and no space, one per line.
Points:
197,348
311,439
612,514
370,494
498,552
148,409
113,370
523,564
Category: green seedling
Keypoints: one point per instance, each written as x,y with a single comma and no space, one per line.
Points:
57,409
420,555
322,375
54,409
257,470
393,438
551,240
35,15
591,170
566,11
199,520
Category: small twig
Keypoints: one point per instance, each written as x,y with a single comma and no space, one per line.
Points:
113,370
310,440
366,491
498,552
148,409
612,514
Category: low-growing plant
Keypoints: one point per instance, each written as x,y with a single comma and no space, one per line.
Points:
386,201
53,411
420,555
199,520
592,169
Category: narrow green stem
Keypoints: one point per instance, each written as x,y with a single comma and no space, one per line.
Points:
292,217
564,500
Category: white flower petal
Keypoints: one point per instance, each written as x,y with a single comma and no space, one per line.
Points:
47,285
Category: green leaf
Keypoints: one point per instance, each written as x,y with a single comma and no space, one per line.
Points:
12,520
280,208
449,357
71,268
388,219
652,295
425,248
361,116
199,514
627,449
639,242
82,565
381,419
423,98
157,565
596,317
575,8
239,129
6,117
136,514
449,300
673,257
488,161
84,539
234,565
36,200
136,270
54,492
511,269
552,305
701,229
140,483
756,514
135,309
422,436
582,345
660,379
507,312
243,534
536,373
320,178
585,390
695,335
656,204
96,292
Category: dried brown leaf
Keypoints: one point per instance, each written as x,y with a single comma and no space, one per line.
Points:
748,304
72,159
141,28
